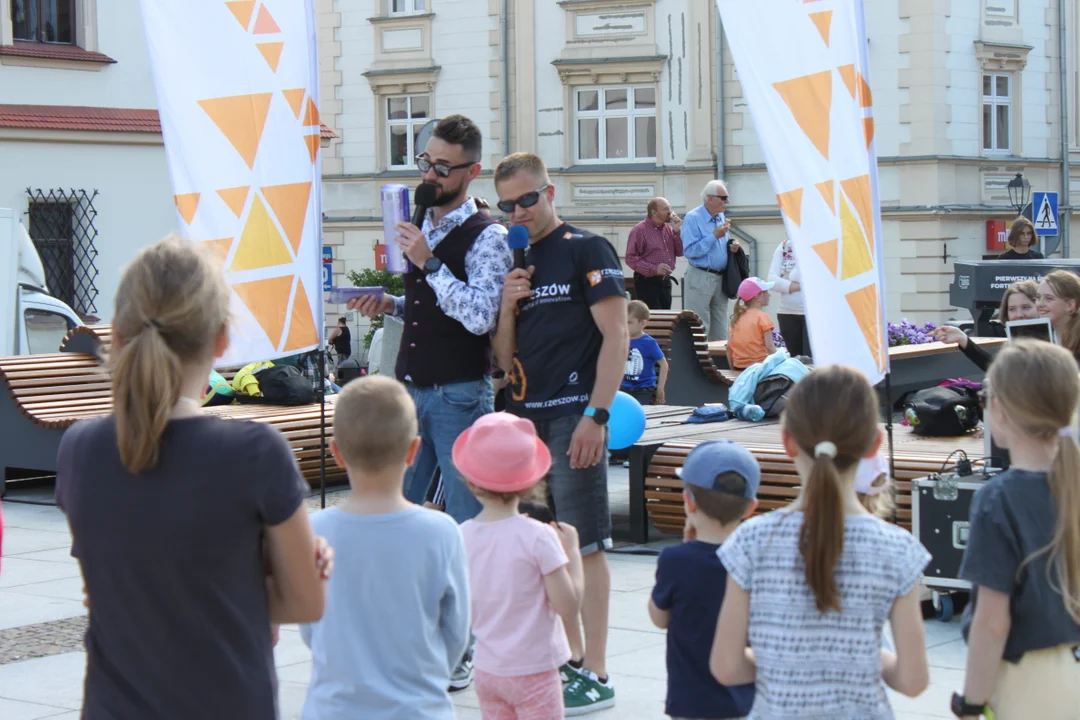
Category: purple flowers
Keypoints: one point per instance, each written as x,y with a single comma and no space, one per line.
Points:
908,333
778,339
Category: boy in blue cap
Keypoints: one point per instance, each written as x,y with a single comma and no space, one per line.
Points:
720,481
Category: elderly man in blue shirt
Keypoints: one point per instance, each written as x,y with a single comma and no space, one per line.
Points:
706,244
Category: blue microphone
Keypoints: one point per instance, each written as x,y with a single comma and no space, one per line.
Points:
518,240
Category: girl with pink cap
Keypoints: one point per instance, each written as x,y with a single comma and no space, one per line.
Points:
750,339
526,577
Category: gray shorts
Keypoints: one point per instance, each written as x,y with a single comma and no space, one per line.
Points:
578,497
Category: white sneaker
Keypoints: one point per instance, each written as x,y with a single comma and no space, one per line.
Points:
462,676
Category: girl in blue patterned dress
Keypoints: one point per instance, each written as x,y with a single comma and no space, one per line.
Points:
811,586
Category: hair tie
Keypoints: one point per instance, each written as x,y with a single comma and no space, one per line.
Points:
1065,432
826,448
153,323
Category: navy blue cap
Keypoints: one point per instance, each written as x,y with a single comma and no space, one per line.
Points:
715,457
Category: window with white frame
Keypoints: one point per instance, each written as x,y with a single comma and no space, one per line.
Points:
615,124
997,112
405,7
405,115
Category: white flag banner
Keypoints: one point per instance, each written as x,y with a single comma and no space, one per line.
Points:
805,75
237,86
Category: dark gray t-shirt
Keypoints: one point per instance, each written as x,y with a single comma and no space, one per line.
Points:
173,562
1011,518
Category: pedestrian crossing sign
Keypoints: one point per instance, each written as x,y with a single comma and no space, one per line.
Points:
1044,207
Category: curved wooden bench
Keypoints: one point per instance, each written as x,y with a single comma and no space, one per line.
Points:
694,378
90,339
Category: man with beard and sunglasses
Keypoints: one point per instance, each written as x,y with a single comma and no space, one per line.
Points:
563,340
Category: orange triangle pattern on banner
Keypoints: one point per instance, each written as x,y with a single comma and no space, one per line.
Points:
295,99
866,98
241,118
264,23
268,301
313,142
218,249
235,198
868,130
823,22
810,99
791,204
242,10
856,252
271,51
864,305
187,204
828,193
301,323
858,190
311,117
261,245
290,205
847,72
829,252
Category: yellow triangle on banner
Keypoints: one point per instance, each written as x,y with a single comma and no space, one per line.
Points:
264,23
847,73
791,204
823,22
241,118
187,204
290,205
268,300
856,253
858,190
302,322
235,198
810,99
261,245
864,305
242,10
313,142
829,252
271,51
295,99
218,249
311,117
828,193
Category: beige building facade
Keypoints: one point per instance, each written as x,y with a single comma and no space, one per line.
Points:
626,99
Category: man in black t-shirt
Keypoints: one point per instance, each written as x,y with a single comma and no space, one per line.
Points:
562,339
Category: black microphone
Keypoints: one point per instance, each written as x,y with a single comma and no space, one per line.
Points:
518,240
423,198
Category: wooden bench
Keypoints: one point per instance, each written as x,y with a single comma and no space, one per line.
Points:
694,379
42,395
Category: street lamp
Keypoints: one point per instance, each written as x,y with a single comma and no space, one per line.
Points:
1019,192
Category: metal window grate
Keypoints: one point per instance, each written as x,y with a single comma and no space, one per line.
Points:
61,224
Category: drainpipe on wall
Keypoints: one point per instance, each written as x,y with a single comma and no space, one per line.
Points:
504,22
1065,209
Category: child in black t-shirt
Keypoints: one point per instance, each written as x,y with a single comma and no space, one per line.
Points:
720,487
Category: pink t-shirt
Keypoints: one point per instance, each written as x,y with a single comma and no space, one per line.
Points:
517,631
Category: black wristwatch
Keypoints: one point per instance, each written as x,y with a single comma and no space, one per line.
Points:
600,416
432,265
962,708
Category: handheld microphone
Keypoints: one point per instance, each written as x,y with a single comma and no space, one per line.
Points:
423,198
518,240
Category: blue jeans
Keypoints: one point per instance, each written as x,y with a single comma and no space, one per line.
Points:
444,412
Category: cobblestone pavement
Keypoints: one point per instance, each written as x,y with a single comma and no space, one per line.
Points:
42,640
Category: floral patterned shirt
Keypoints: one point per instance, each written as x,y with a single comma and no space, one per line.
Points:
473,303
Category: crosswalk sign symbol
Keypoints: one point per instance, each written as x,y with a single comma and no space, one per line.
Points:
1045,215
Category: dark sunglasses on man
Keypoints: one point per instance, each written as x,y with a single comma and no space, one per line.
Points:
441,169
526,201
722,197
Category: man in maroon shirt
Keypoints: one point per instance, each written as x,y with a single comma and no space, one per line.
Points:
651,250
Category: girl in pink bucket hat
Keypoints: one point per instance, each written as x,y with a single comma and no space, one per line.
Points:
525,577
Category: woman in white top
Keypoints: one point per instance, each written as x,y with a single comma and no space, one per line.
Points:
791,315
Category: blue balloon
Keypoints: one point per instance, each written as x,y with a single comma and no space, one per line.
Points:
626,423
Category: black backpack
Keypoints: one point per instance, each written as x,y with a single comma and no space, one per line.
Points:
281,385
947,411
771,394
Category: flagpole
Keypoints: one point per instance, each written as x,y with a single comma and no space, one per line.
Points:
889,428
322,425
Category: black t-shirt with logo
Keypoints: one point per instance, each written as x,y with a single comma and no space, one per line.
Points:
558,343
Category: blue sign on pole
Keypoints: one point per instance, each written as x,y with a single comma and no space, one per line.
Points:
327,268
1044,212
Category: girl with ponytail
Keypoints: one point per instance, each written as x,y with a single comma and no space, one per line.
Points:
190,530
1023,554
811,586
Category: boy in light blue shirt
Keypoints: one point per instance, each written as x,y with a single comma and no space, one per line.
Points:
397,608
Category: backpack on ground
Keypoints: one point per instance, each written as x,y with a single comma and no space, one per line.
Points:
771,394
949,411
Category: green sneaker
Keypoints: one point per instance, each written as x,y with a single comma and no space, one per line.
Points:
586,694
567,673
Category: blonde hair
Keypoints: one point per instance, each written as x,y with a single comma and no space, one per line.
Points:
837,405
1038,388
374,423
1067,287
534,494
637,310
1024,287
517,162
171,305
1017,228
741,308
